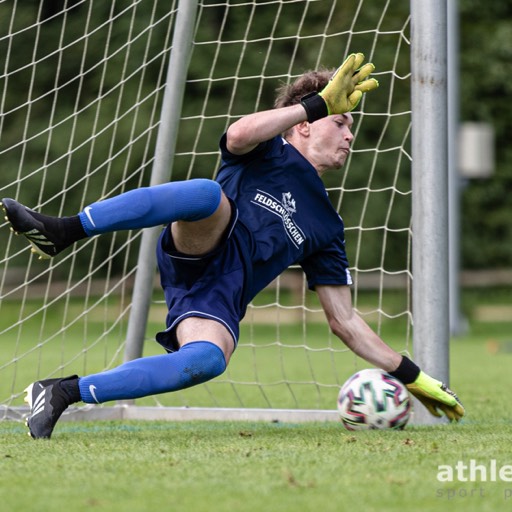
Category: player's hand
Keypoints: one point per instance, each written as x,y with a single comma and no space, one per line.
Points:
436,397
346,87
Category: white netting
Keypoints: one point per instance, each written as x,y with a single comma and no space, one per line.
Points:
80,93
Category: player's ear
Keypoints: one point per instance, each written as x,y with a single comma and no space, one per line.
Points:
303,128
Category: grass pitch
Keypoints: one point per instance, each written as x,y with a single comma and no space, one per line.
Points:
221,466
201,466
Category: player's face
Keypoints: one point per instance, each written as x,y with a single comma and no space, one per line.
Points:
331,138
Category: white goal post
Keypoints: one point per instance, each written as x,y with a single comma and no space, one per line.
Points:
100,97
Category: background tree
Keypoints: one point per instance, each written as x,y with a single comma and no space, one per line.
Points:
82,115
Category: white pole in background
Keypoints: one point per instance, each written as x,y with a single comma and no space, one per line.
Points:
457,323
430,300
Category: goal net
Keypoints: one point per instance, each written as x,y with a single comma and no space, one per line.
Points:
82,89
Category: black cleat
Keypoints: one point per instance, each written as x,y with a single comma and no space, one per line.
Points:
47,401
40,230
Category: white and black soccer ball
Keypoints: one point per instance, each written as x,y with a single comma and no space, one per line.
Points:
373,399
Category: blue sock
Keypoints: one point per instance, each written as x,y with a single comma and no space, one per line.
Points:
192,364
152,206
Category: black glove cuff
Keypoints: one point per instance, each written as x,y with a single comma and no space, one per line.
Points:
315,106
407,371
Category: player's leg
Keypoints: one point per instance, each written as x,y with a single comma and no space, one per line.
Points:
189,201
201,237
205,348
196,362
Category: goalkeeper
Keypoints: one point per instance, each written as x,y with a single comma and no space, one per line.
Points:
224,240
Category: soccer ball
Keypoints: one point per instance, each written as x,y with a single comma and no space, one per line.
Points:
373,399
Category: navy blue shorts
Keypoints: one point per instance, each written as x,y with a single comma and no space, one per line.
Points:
211,286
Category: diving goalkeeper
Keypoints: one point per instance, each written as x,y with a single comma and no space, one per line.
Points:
224,240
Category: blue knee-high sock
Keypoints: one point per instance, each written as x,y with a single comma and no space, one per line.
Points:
152,206
192,364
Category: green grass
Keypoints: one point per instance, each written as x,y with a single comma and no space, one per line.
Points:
220,466
248,466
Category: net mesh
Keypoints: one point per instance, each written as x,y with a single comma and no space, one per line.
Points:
81,90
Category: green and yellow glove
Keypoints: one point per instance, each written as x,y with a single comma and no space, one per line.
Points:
346,87
433,394
436,396
344,90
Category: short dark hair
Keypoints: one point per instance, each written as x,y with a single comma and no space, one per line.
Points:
310,81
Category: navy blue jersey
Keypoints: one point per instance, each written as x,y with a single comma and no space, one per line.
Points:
281,215
284,205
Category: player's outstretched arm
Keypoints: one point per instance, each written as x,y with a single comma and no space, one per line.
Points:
342,94
363,341
247,132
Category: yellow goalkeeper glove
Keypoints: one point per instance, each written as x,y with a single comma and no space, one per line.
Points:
435,396
344,90
346,87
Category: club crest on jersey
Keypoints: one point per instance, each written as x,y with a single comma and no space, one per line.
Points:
284,209
289,202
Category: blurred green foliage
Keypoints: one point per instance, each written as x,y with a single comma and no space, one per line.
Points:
84,94
485,95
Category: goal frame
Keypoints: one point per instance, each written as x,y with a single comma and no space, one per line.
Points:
430,249
430,241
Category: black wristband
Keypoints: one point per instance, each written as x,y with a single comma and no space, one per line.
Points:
315,106
407,371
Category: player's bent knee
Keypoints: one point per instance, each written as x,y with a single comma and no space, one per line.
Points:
201,361
202,198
